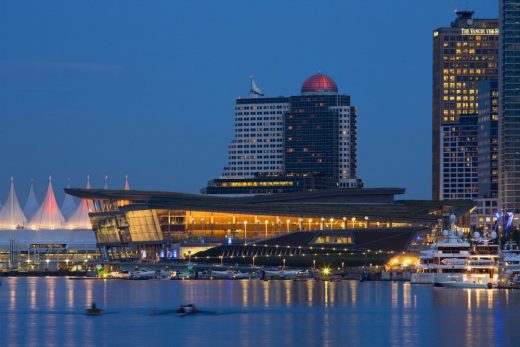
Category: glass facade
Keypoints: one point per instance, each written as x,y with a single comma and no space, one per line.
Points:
509,94
460,158
488,139
463,54
320,138
310,135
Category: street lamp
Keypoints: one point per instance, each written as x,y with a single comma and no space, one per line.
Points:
366,222
314,264
253,261
322,223
283,263
344,222
310,222
266,223
288,221
353,222
331,221
245,232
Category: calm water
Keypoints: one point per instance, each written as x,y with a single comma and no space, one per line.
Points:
49,312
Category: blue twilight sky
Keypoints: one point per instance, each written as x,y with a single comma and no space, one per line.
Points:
147,88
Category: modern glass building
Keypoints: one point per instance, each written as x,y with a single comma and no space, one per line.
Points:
488,139
509,115
151,225
484,216
288,144
463,55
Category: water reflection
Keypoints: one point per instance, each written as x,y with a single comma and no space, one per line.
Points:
12,292
32,293
49,311
51,292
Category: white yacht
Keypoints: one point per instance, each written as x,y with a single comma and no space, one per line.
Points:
510,268
484,263
445,260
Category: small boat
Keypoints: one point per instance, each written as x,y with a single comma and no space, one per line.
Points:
186,309
464,284
94,311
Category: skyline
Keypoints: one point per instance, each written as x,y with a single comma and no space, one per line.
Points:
116,76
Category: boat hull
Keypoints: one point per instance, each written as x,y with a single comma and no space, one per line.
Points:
462,284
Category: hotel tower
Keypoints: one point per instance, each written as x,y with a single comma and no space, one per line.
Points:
464,54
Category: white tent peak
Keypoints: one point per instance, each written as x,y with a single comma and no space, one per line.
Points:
127,185
79,219
48,215
31,203
11,214
68,205
106,183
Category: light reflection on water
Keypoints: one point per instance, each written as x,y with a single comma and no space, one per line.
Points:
49,312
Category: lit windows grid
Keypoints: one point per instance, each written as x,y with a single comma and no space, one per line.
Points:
258,144
256,226
460,60
459,165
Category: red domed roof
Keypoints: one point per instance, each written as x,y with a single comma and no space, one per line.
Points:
319,83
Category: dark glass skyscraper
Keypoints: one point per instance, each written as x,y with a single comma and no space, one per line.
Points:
463,54
488,139
296,143
509,114
320,134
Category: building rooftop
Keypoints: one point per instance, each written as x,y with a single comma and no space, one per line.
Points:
319,84
316,204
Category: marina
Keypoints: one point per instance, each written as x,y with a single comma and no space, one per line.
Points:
261,313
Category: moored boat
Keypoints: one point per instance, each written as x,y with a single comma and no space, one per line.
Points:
465,284
445,260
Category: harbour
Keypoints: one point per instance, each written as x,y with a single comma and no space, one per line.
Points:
50,311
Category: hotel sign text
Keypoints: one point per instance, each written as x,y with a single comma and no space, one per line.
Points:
471,31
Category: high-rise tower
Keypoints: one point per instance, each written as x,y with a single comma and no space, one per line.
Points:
509,106
296,143
320,134
463,54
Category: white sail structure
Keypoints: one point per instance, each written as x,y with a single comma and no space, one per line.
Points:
106,183
31,204
127,185
68,206
48,215
79,218
11,214
254,91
